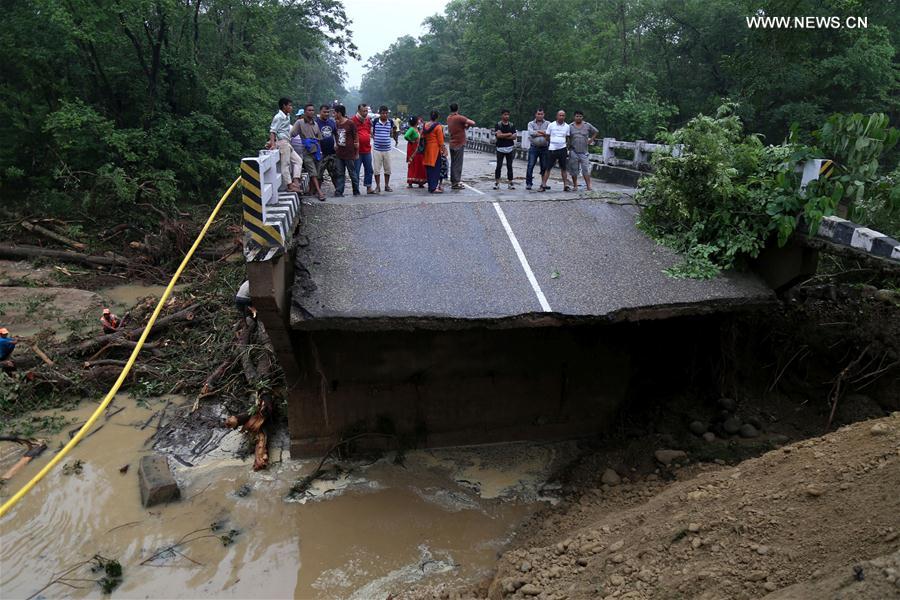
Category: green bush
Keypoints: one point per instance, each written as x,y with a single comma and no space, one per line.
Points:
726,195
702,203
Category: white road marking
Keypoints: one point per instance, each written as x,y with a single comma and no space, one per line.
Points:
515,243
473,189
545,306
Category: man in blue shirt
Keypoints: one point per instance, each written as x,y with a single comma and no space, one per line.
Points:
327,126
7,344
383,131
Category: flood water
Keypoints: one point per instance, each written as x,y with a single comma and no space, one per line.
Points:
123,297
375,530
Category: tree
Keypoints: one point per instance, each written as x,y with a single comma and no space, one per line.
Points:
133,100
634,65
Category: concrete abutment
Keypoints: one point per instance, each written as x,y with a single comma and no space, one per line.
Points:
436,388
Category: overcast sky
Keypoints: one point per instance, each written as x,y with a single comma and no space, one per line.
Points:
378,23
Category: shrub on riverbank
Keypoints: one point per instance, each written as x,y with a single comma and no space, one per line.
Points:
726,195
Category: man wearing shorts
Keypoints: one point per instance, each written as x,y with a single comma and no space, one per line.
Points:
310,138
582,136
383,131
558,133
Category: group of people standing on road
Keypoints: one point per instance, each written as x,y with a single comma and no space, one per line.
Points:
426,150
330,142
559,143
360,147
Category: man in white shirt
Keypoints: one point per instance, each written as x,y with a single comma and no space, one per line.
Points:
280,137
558,133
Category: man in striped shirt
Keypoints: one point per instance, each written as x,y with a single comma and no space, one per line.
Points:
383,131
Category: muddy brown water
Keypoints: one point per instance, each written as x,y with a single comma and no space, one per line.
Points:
123,297
28,310
442,517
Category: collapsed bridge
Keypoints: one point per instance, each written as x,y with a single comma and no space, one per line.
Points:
475,316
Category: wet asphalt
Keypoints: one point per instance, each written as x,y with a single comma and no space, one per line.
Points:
411,255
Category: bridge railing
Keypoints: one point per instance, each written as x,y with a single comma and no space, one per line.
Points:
269,211
641,151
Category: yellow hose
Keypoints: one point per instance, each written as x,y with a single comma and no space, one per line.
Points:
118,384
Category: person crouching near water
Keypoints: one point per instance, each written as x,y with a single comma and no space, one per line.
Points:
243,302
7,345
109,321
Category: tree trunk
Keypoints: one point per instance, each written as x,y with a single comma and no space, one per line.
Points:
20,251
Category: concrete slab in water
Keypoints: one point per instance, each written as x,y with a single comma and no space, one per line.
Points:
156,481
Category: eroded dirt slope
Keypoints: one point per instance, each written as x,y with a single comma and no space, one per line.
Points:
807,511
811,520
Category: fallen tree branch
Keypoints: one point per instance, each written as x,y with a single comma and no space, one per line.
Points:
112,371
20,251
836,388
105,362
245,348
126,338
40,354
34,228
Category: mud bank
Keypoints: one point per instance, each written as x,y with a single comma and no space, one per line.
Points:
815,519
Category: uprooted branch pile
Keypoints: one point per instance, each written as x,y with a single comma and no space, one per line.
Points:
197,348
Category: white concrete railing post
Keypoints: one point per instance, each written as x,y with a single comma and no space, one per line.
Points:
607,150
639,154
641,148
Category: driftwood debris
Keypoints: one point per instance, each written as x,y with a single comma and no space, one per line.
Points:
82,366
126,338
35,228
40,354
24,251
255,371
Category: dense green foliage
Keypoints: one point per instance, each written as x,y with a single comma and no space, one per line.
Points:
727,195
120,102
636,65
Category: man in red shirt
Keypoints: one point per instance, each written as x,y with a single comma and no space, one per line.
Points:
346,152
364,130
457,124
